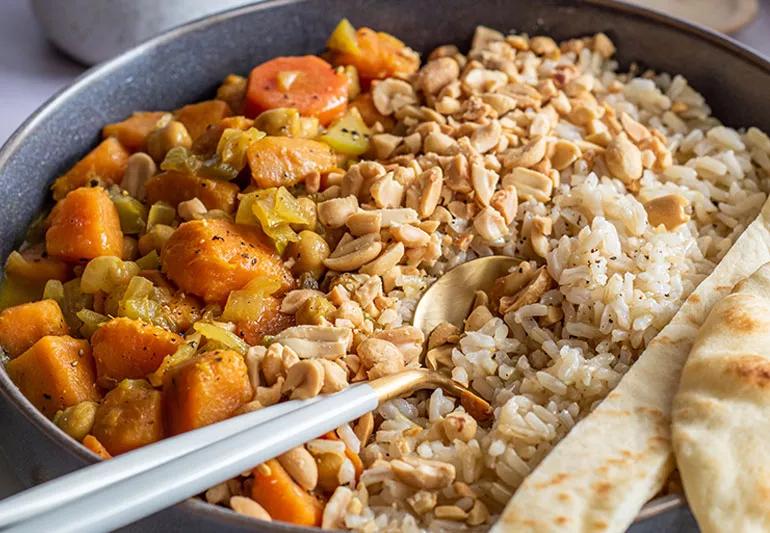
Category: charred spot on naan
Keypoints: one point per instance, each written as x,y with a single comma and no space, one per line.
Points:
602,487
737,318
751,369
555,480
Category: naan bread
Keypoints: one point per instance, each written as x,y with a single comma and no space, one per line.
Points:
614,460
721,416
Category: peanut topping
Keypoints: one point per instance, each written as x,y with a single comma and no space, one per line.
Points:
669,210
624,160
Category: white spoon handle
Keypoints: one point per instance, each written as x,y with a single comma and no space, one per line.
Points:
58,491
148,492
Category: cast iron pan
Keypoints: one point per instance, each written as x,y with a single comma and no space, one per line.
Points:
186,64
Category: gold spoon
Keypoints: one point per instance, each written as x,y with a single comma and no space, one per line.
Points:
449,299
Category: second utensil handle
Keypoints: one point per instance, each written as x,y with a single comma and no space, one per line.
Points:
56,492
146,493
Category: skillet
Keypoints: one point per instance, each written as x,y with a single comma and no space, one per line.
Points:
186,64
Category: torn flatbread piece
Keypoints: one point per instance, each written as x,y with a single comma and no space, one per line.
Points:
721,416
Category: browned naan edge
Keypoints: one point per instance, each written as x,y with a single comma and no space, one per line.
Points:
613,461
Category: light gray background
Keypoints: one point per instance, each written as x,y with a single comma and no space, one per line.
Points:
31,71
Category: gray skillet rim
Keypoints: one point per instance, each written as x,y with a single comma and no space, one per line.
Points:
112,67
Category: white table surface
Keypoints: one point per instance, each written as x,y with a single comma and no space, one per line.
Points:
31,71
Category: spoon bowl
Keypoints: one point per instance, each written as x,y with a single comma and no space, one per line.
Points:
450,298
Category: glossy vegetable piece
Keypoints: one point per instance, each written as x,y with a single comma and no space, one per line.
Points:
285,161
83,225
185,352
376,55
349,135
132,132
160,213
35,268
269,322
197,117
131,212
275,210
179,309
174,188
130,349
78,420
210,258
130,416
282,498
343,38
248,303
23,325
71,300
55,373
106,163
221,337
93,444
204,390
306,83
206,144
91,322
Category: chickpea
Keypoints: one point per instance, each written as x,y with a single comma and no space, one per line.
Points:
328,471
233,91
163,139
155,239
283,121
309,253
77,421
314,310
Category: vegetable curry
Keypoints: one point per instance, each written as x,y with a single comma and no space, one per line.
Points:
132,309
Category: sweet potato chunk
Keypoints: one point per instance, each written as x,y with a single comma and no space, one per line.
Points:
378,55
198,117
176,187
132,132
210,258
84,225
23,325
107,162
276,161
93,444
130,349
271,322
204,390
55,373
282,498
130,416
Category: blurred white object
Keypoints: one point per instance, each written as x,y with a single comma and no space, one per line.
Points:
726,16
94,30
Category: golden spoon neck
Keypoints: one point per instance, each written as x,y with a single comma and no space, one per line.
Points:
409,381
